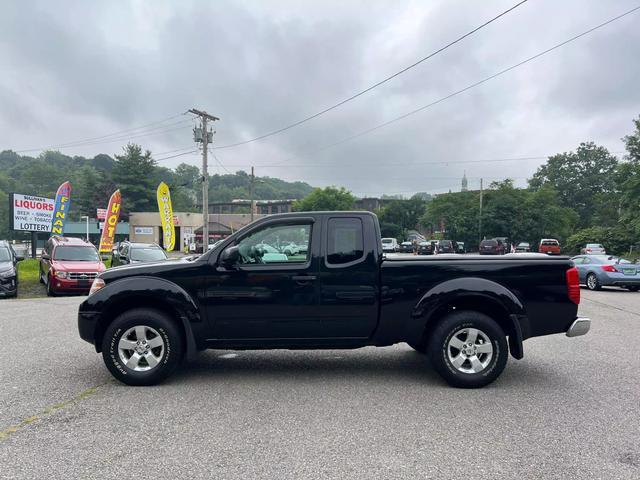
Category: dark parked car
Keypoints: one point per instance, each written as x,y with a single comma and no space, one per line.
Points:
130,252
523,247
8,270
461,247
491,247
425,248
69,265
466,313
597,271
405,247
506,243
447,246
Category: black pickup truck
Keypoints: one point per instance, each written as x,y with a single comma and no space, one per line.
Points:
466,313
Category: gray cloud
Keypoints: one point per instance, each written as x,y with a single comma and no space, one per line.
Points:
74,70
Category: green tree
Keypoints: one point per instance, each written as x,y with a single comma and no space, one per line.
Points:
629,181
405,213
458,212
91,190
133,174
632,143
328,198
579,177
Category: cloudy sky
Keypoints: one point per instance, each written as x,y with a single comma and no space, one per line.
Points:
74,70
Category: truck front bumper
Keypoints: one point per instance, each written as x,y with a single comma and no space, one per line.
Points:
87,324
580,326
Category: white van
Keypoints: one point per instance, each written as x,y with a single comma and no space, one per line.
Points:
389,245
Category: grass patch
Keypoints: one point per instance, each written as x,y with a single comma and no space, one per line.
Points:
29,285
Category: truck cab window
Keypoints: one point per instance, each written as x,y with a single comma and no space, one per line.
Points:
345,242
276,244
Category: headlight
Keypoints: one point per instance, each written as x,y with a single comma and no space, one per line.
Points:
61,274
97,284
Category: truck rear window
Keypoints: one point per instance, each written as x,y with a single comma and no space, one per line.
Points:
345,242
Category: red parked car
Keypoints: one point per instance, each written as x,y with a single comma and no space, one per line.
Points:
550,246
69,265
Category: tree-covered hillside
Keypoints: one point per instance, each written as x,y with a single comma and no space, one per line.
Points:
135,173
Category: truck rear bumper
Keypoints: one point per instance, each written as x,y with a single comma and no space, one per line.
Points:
580,326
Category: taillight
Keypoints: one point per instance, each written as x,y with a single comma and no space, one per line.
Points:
588,250
573,285
609,268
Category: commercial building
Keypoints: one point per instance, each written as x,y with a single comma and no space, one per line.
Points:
146,227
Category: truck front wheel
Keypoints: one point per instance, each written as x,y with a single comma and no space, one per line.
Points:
142,347
468,349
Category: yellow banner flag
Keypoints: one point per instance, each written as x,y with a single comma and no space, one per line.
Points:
166,217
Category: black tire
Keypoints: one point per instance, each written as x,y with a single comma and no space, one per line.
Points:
595,283
455,324
633,288
50,291
169,358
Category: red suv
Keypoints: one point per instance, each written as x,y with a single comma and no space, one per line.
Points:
69,265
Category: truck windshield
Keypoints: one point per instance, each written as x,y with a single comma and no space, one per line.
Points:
76,254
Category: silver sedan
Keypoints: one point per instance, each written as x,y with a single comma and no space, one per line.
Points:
597,271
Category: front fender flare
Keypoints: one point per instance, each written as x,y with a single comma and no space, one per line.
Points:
478,290
150,291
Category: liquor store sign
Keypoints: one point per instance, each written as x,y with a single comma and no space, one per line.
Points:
30,213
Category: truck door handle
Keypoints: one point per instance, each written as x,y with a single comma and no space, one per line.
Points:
303,278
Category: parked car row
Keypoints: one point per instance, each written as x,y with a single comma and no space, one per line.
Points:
425,247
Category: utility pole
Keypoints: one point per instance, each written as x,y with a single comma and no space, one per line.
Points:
480,218
251,190
206,137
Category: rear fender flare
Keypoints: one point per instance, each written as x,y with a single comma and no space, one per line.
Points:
473,289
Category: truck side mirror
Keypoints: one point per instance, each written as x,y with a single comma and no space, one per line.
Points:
230,256
19,258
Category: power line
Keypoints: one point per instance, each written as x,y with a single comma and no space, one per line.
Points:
375,85
219,162
469,87
413,164
190,147
172,127
92,139
174,156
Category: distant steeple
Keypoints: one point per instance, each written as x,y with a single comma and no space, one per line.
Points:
465,183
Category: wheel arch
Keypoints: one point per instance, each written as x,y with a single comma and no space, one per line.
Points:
476,294
148,292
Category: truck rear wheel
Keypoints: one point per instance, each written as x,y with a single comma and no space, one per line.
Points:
468,349
142,347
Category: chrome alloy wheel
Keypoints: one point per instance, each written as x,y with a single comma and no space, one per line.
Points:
141,348
592,281
469,350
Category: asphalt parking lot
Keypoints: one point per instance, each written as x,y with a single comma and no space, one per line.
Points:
569,409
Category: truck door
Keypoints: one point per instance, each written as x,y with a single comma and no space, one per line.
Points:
269,294
349,277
